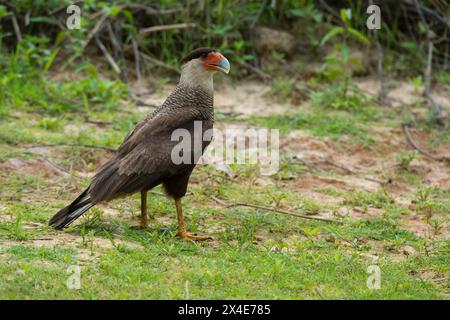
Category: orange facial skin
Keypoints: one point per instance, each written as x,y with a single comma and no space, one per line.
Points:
212,61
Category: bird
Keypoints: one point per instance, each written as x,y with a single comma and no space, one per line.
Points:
144,160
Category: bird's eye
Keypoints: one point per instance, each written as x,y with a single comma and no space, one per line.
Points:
204,55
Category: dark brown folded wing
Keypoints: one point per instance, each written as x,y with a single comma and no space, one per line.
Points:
144,158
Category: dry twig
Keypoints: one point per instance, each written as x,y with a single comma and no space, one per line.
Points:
159,63
413,143
16,28
264,76
94,30
108,57
89,146
146,31
248,205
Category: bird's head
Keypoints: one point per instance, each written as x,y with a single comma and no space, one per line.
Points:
200,64
208,59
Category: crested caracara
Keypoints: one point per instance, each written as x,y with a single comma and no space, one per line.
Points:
144,160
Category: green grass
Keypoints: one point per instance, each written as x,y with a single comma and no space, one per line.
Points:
320,123
358,198
153,273
255,254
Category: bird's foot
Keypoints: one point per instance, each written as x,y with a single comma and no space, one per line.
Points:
192,237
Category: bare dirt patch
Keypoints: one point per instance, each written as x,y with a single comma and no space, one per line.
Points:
38,166
247,98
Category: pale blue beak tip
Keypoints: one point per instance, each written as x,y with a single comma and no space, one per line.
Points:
224,65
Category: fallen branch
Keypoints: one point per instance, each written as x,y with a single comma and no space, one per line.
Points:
264,76
164,194
312,164
413,143
248,205
60,169
98,123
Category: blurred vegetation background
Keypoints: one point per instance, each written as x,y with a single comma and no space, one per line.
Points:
305,49
34,36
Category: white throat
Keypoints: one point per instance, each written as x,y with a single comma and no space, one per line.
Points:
193,74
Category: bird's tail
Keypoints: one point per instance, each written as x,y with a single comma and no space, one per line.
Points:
67,215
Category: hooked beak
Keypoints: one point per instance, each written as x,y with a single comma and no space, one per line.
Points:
217,62
224,66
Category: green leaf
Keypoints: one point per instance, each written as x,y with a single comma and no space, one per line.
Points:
3,11
42,19
346,16
345,51
331,34
297,12
60,37
115,11
358,35
410,45
128,14
50,60
421,27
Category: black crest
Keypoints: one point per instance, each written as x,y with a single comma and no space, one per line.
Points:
197,53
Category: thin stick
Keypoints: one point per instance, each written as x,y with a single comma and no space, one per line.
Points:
149,10
94,31
146,31
137,62
382,93
90,146
123,76
108,57
258,15
436,109
16,28
324,161
446,50
118,54
60,169
240,204
159,62
117,50
413,143
428,68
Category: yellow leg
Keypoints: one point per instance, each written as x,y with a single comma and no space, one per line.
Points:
182,230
